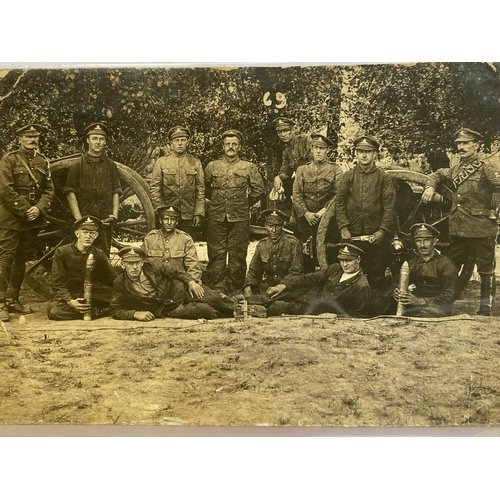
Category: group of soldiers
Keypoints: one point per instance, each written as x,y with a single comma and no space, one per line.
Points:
164,278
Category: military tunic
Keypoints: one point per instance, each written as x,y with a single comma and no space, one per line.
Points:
179,181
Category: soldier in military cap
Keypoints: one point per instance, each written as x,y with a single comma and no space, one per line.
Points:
146,290
314,187
170,244
232,185
93,184
68,275
433,278
26,192
178,180
341,288
365,210
277,257
296,152
474,183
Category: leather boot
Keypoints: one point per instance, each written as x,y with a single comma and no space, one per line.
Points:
488,288
14,306
4,312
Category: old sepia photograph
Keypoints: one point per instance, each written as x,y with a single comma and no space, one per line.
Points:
250,245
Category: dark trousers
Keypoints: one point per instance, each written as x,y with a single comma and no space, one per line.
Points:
481,250
227,244
16,248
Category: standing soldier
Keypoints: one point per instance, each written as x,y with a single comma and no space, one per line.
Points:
26,192
365,209
178,180
297,152
93,185
315,185
472,231
232,186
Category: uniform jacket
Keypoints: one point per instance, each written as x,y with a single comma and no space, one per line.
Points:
94,182
297,152
366,201
353,294
177,248
232,187
162,276
18,191
68,271
472,200
275,263
315,185
179,181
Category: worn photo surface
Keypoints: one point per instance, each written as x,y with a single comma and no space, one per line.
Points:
299,246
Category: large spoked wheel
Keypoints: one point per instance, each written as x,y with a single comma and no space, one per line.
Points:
409,209
136,218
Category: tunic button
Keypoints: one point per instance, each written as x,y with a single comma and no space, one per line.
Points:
458,204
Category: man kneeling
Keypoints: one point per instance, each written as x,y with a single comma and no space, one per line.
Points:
146,290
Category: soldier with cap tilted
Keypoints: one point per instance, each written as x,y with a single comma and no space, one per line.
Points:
232,185
68,275
314,187
432,280
472,232
26,192
178,180
341,288
93,184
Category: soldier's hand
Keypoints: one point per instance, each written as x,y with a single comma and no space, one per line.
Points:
428,194
311,218
345,234
272,291
32,213
377,237
195,290
80,305
278,183
197,221
144,316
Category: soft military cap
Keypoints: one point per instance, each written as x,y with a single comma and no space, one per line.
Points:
282,123
466,135
233,133
176,132
171,210
30,130
97,129
132,254
422,230
274,216
321,140
348,251
88,223
366,143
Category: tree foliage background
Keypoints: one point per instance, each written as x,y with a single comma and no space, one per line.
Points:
413,109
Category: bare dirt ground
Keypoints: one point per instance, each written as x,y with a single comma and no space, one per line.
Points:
261,372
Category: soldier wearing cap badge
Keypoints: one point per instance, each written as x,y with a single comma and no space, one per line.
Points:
433,278
341,288
68,274
365,206
314,187
475,183
296,152
178,180
277,257
232,186
93,184
146,290
26,192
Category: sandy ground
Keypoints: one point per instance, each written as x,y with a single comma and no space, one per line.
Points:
261,372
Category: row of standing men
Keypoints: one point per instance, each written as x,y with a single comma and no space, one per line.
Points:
365,201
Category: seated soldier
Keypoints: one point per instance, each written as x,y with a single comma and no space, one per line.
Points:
172,245
433,278
341,288
68,275
277,258
147,290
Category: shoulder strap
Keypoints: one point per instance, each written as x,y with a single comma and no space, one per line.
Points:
465,173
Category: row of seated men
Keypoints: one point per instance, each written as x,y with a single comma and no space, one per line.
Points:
164,278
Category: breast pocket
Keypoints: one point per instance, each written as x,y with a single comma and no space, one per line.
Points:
326,183
238,180
310,187
218,181
21,177
190,178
